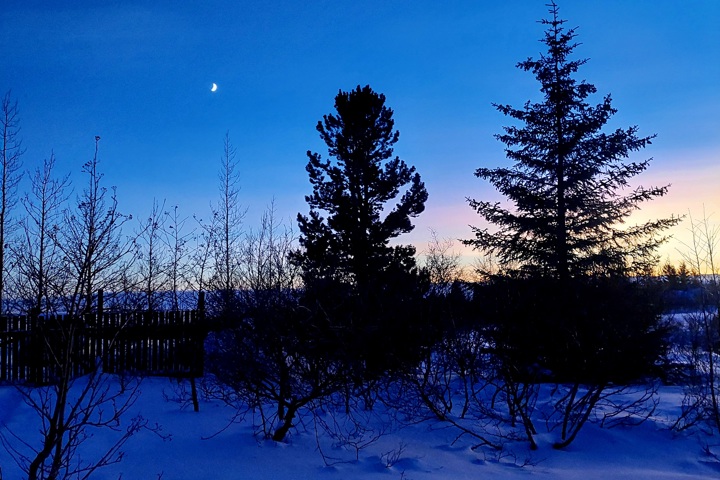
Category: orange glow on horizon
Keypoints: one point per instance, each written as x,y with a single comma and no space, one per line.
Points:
694,180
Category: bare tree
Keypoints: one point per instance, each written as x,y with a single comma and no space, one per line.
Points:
68,413
91,241
224,233
70,407
273,359
265,256
201,256
702,395
37,256
441,262
153,259
10,164
177,241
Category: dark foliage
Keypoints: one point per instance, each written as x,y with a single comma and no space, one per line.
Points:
368,291
351,245
596,331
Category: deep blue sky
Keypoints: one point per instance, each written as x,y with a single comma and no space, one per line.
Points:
138,73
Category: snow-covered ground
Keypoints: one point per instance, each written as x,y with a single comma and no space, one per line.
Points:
204,445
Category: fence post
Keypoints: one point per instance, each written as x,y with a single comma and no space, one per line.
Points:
100,303
201,304
94,334
199,317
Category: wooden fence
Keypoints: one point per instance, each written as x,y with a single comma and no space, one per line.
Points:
34,350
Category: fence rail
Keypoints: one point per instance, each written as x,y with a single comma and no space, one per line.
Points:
34,350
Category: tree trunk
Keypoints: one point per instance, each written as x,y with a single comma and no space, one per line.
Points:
285,426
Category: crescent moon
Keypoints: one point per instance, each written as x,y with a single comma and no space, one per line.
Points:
214,87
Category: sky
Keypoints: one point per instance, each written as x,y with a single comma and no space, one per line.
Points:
139,75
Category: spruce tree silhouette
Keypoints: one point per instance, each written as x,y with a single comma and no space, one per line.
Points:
568,181
564,307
